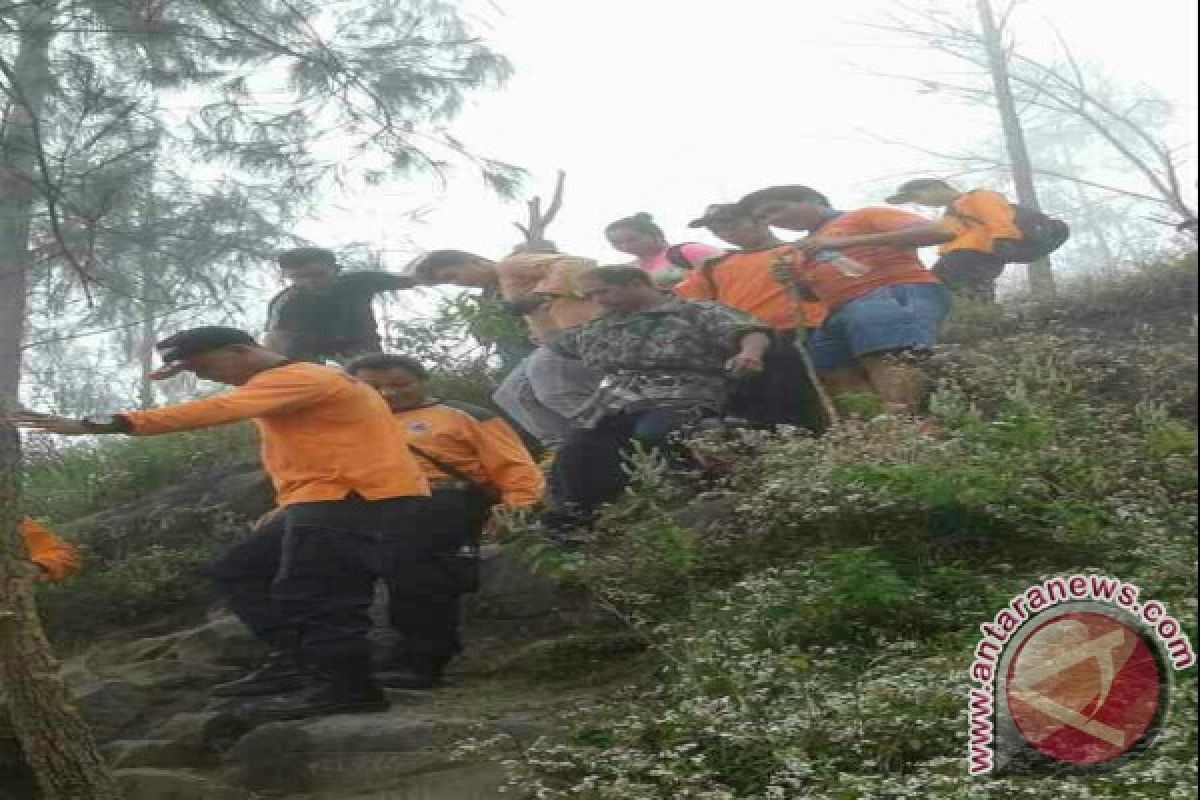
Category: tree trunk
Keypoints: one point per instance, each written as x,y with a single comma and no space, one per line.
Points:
1041,277
146,337
57,744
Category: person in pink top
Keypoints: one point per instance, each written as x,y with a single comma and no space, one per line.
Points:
640,237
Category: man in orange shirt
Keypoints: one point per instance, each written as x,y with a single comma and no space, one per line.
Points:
473,461
544,392
744,279
979,221
884,305
343,477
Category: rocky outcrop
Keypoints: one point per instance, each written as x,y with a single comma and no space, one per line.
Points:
147,699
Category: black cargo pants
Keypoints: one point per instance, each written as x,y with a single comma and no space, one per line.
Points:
305,580
432,567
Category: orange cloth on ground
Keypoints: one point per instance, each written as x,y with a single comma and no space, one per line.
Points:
551,274
324,434
58,558
977,218
886,265
478,444
744,281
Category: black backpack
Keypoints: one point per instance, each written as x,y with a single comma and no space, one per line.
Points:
1041,235
676,258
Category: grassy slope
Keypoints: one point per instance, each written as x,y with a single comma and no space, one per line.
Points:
814,618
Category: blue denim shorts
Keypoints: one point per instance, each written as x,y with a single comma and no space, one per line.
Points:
903,316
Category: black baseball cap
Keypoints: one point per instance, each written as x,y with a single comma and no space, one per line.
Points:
306,255
904,192
718,212
194,341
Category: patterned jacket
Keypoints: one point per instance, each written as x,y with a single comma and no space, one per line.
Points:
671,356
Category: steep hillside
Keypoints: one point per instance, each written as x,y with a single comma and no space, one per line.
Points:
795,620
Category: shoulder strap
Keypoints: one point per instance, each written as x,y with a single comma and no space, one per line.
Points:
676,256
708,270
453,472
478,413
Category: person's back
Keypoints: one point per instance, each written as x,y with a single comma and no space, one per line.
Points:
454,439
325,313
978,220
745,280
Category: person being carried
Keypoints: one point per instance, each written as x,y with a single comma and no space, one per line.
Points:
666,362
545,391
786,391
640,237
980,220
343,476
884,305
325,314
473,461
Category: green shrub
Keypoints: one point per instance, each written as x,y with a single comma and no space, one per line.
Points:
63,483
813,611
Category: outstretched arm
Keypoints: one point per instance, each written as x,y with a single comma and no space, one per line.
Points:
915,236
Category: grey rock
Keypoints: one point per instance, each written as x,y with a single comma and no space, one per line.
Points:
509,589
128,753
345,752
474,782
272,757
149,783
223,640
202,732
112,706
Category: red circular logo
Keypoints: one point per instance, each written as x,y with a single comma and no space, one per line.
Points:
1084,688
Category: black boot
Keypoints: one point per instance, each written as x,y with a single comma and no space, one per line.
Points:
279,673
347,688
411,672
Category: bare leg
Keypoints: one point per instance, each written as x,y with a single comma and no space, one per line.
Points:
897,379
847,380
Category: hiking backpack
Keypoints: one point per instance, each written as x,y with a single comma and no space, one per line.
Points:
1041,235
676,258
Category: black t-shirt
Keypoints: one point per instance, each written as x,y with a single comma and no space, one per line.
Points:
332,319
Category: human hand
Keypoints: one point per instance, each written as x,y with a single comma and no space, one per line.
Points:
813,244
49,423
745,364
782,266
171,370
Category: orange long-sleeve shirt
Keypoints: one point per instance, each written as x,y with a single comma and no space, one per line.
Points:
477,443
977,218
58,558
743,280
882,265
324,434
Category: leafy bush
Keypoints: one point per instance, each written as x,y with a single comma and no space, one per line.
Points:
67,482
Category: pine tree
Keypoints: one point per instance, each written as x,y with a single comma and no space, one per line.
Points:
257,106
